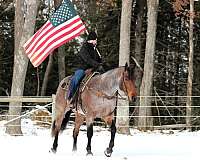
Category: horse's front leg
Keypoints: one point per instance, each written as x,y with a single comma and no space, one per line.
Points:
55,143
109,150
89,136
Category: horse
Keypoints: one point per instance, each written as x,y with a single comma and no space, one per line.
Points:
98,100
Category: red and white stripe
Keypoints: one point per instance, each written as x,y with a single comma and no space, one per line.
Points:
48,38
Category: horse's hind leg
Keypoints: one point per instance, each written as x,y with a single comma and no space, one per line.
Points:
55,132
59,124
109,150
79,119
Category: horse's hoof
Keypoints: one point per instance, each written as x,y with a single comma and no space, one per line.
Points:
108,152
52,151
74,149
89,153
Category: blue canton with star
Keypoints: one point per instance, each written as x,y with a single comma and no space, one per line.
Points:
65,12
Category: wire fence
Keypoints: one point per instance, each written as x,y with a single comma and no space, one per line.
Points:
164,113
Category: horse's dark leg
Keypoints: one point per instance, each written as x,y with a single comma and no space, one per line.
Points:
78,122
75,135
55,133
109,150
65,120
55,143
89,136
59,124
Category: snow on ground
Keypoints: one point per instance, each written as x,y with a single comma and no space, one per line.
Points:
36,142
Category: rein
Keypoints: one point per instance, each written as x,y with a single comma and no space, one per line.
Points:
116,95
104,95
126,91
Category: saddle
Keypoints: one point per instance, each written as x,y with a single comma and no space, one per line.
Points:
77,96
80,88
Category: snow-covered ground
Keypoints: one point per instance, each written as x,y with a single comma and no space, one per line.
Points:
36,142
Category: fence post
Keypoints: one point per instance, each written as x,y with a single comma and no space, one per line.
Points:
53,107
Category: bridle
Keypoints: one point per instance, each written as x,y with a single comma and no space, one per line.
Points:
124,85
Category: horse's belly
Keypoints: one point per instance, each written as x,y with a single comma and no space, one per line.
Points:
104,109
98,106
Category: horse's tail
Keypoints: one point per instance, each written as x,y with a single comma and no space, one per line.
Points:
65,120
60,124
61,118
53,129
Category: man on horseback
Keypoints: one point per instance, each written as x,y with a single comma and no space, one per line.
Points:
88,60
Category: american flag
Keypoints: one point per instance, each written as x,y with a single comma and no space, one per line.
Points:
63,26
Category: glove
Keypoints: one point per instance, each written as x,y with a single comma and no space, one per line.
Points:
100,69
88,71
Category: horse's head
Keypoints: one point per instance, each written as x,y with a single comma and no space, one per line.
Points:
128,83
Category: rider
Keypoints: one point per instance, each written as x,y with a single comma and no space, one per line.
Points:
88,60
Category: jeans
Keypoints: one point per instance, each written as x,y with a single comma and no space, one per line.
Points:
76,78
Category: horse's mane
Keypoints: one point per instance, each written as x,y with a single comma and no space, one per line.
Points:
112,71
108,79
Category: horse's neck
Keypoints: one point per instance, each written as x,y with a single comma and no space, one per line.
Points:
109,81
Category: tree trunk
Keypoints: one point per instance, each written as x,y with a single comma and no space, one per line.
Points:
46,75
61,62
20,61
146,86
19,23
124,54
190,68
57,3
92,9
138,47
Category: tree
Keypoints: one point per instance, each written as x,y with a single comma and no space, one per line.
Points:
190,67
7,12
146,86
124,54
46,75
23,31
138,45
61,62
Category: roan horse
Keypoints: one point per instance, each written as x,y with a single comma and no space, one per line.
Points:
98,100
